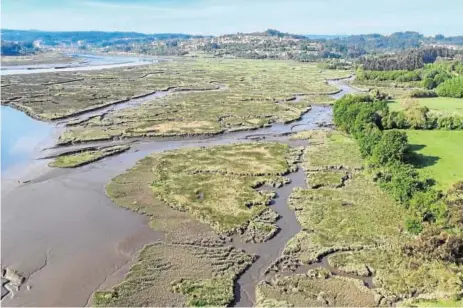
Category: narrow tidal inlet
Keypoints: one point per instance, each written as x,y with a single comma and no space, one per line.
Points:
272,249
66,237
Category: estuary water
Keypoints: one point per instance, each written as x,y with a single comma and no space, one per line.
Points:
84,62
21,135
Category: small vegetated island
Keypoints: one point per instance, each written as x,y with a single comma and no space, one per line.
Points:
381,211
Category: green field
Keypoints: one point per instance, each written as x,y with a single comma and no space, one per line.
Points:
438,105
440,155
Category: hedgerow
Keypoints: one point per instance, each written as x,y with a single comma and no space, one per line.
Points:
389,157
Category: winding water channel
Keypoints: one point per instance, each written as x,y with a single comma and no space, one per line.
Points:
67,237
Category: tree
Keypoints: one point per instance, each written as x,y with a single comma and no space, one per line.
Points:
393,146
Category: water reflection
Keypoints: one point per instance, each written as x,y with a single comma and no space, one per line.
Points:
21,136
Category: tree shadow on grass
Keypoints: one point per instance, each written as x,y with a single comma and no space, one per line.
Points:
416,147
419,160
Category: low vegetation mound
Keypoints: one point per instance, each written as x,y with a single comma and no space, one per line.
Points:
178,275
216,185
84,157
317,288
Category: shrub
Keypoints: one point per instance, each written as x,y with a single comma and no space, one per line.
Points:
420,93
449,122
391,147
396,75
368,140
435,243
414,225
451,88
352,113
435,77
417,117
395,119
429,206
401,181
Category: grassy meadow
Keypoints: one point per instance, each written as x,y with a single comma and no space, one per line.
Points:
439,155
445,106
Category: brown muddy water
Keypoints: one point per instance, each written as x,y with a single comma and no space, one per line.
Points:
272,249
62,233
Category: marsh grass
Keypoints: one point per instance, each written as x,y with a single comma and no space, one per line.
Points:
354,216
331,151
314,289
176,275
86,157
247,99
40,58
325,178
399,276
432,303
216,185
225,176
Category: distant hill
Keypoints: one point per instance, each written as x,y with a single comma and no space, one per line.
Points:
269,44
322,36
52,38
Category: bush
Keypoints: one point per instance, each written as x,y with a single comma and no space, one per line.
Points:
417,116
435,77
368,140
429,205
451,88
353,113
397,75
395,119
450,122
435,243
391,147
414,225
420,93
401,181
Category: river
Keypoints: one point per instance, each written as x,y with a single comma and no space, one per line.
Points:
23,136
62,232
84,62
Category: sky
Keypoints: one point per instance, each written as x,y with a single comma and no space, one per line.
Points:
215,17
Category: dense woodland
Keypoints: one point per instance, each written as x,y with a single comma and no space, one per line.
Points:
408,60
441,78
